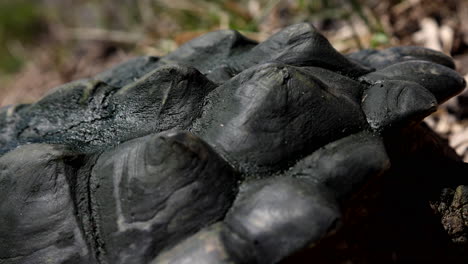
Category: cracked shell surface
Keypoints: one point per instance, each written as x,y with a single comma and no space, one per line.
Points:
223,151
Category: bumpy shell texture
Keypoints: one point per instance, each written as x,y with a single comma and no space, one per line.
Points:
224,151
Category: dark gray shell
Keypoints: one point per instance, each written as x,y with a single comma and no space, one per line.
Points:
224,151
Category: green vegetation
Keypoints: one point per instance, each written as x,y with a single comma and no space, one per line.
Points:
20,22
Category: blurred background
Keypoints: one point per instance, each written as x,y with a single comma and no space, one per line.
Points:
44,43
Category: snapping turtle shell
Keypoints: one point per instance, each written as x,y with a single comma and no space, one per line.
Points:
223,151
